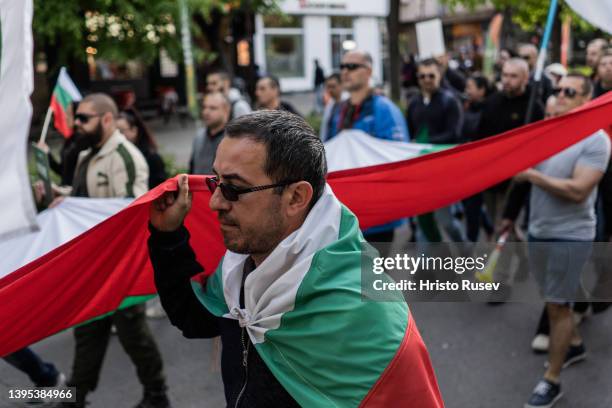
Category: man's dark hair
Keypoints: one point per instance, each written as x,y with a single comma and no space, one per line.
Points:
294,151
481,82
274,82
427,62
334,75
587,85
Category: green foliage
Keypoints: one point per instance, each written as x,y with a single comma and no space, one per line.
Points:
528,14
172,169
121,30
314,121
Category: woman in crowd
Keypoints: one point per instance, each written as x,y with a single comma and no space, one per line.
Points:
133,127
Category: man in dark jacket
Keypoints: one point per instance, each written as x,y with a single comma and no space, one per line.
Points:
434,116
529,53
504,111
277,216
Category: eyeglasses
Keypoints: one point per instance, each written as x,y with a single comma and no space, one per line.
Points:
232,193
428,76
568,92
351,66
84,117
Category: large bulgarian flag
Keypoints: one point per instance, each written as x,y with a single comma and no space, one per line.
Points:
64,95
108,266
305,314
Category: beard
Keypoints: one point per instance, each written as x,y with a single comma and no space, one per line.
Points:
90,139
261,239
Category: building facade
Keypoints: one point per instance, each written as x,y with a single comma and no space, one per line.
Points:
286,46
463,27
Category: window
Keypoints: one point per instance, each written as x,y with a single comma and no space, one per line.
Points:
284,45
341,38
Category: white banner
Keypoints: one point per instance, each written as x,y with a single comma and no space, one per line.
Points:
354,148
16,85
58,225
596,12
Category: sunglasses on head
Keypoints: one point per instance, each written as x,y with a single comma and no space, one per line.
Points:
568,92
428,76
84,117
232,193
351,66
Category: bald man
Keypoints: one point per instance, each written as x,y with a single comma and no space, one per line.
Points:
529,53
216,111
504,111
112,167
371,113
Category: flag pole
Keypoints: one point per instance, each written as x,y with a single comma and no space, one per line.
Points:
43,135
537,77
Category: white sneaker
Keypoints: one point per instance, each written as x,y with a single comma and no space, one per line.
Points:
540,343
155,310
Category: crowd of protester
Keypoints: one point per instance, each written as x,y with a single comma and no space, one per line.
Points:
444,107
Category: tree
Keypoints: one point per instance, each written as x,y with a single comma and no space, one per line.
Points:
528,14
121,30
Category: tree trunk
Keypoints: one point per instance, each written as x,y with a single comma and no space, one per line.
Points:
393,44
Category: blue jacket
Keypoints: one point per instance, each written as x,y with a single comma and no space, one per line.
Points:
377,116
380,118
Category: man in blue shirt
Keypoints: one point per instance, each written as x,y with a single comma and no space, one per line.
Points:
374,114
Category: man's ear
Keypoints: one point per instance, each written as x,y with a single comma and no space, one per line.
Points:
107,118
299,197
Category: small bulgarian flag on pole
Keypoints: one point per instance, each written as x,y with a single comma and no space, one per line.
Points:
64,94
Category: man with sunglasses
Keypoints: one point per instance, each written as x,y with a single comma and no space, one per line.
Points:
373,114
562,226
435,116
286,297
112,167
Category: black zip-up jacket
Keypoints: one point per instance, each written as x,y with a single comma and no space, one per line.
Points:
501,113
442,117
247,380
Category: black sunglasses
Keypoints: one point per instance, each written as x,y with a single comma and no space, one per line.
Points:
568,92
351,66
84,117
232,193
423,76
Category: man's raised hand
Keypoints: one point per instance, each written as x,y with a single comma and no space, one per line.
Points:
168,211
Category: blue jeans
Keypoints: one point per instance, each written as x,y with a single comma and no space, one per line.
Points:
42,374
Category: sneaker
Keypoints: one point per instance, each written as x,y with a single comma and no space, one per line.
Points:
574,355
545,395
540,343
60,383
155,310
154,399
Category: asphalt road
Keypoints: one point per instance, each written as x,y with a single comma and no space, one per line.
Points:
480,354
